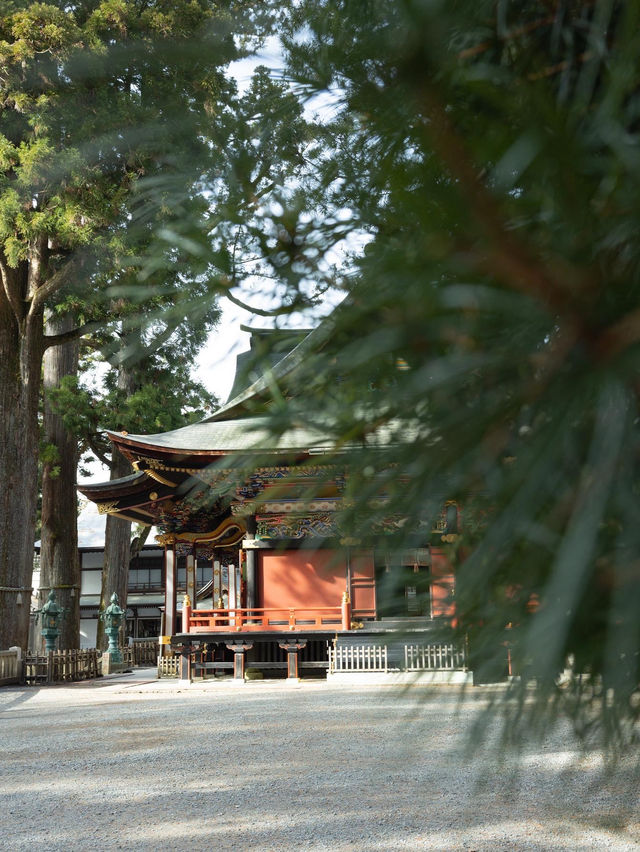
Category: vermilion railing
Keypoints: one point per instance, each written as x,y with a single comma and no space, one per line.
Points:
261,618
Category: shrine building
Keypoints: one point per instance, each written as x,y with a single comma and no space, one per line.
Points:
254,516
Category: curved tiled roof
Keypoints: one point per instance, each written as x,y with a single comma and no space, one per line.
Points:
228,436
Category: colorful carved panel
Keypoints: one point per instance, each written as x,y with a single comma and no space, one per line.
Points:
279,527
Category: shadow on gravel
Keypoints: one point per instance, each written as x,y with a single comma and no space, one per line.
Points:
295,770
24,695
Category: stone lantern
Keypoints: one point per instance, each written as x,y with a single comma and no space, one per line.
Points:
51,615
112,618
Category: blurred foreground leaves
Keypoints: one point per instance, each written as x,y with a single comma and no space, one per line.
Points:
487,154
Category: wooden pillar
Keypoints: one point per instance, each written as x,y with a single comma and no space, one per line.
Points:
250,554
251,578
186,613
239,649
346,611
292,649
234,589
185,672
191,576
170,589
217,583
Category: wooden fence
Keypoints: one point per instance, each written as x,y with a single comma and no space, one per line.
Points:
140,654
10,666
71,665
169,666
145,653
358,658
418,658
127,656
61,666
375,658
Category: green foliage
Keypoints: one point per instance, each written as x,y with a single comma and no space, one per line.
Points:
160,396
487,351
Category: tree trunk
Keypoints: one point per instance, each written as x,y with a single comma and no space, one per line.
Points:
117,547
115,568
21,347
59,562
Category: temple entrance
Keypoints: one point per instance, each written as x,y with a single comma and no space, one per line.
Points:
403,591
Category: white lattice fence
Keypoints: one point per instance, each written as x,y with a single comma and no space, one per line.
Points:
440,657
358,658
411,657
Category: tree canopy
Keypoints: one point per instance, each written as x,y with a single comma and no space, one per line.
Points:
98,98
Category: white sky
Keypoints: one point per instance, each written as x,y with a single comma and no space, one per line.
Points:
215,366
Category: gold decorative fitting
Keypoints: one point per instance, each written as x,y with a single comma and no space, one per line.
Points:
161,479
124,432
107,508
357,625
186,601
153,495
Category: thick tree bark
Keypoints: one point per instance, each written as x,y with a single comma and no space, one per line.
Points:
59,563
117,548
115,568
21,349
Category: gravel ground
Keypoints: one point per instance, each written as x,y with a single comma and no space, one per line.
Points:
131,762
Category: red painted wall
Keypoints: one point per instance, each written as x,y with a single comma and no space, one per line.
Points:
363,585
302,578
308,578
443,582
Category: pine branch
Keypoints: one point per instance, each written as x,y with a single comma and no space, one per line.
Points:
51,285
69,336
619,336
276,312
508,258
106,461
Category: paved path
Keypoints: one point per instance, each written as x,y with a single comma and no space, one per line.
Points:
129,762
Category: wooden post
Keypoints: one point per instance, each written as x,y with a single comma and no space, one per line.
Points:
232,602
346,612
251,578
239,649
169,590
184,665
186,613
191,578
292,649
217,583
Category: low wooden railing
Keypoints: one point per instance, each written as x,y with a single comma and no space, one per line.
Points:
377,658
359,658
440,657
144,652
169,666
265,619
57,666
127,657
